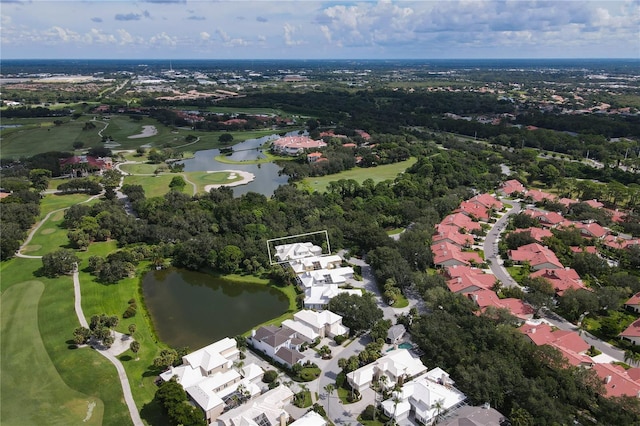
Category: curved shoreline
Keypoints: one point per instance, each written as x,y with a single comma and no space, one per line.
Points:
246,177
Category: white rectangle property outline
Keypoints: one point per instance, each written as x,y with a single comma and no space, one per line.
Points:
326,235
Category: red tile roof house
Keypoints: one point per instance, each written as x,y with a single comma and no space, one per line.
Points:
511,186
633,303
536,233
446,254
312,157
294,145
594,203
592,230
587,249
461,221
561,279
617,381
485,298
465,279
487,201
539,257
474,210
569,343
567,201
632,333
451,234
82,165
619,243
616,215
546,218
539,196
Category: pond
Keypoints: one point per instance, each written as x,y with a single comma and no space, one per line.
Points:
195,309
267,176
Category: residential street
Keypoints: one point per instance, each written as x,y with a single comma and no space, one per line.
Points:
491,246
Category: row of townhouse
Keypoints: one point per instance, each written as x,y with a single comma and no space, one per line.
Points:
212,381
615,379
448,246
321,277
418,393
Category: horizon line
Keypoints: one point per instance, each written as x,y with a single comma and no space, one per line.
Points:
320,59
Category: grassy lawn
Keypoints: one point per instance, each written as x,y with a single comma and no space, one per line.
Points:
51,236
139,168
378,174
113,299
22,350
401,302
37,323
28,139
395,231
268,158
307,400
202,179
517,273
52,202
155,186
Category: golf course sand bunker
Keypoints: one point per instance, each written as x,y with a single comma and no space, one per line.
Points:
246,177
147,131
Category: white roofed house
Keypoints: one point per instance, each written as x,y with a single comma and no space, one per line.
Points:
267,409
325,323
210,379
426,397
398,366
287,252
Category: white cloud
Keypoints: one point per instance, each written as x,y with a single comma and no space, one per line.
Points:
289,31
403,28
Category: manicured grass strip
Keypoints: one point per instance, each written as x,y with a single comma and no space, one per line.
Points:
52,202
139,168
50,236
268,158
359,174
28,375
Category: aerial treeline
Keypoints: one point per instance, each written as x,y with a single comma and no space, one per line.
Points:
493,362
30,112
381,111
216,230
21,208
394,112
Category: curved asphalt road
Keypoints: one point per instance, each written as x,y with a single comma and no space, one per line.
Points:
491,252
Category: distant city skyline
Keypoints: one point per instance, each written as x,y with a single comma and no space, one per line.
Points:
182,29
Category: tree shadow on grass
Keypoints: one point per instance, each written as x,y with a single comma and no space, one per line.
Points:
154,414
125,358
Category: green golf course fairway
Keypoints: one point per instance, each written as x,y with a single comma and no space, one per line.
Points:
32,390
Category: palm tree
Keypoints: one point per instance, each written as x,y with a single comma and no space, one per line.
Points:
329,388
438,406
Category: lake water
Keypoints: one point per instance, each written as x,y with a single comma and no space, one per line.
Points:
267,177
195,309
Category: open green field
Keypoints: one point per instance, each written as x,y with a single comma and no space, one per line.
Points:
267,158
41,135
378,174
155,186
51,202
99,298
37,135
38,364
51,236
139,168
27,371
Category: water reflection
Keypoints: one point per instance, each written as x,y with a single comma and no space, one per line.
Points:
195,309
267,178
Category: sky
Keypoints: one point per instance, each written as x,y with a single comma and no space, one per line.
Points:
301,29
